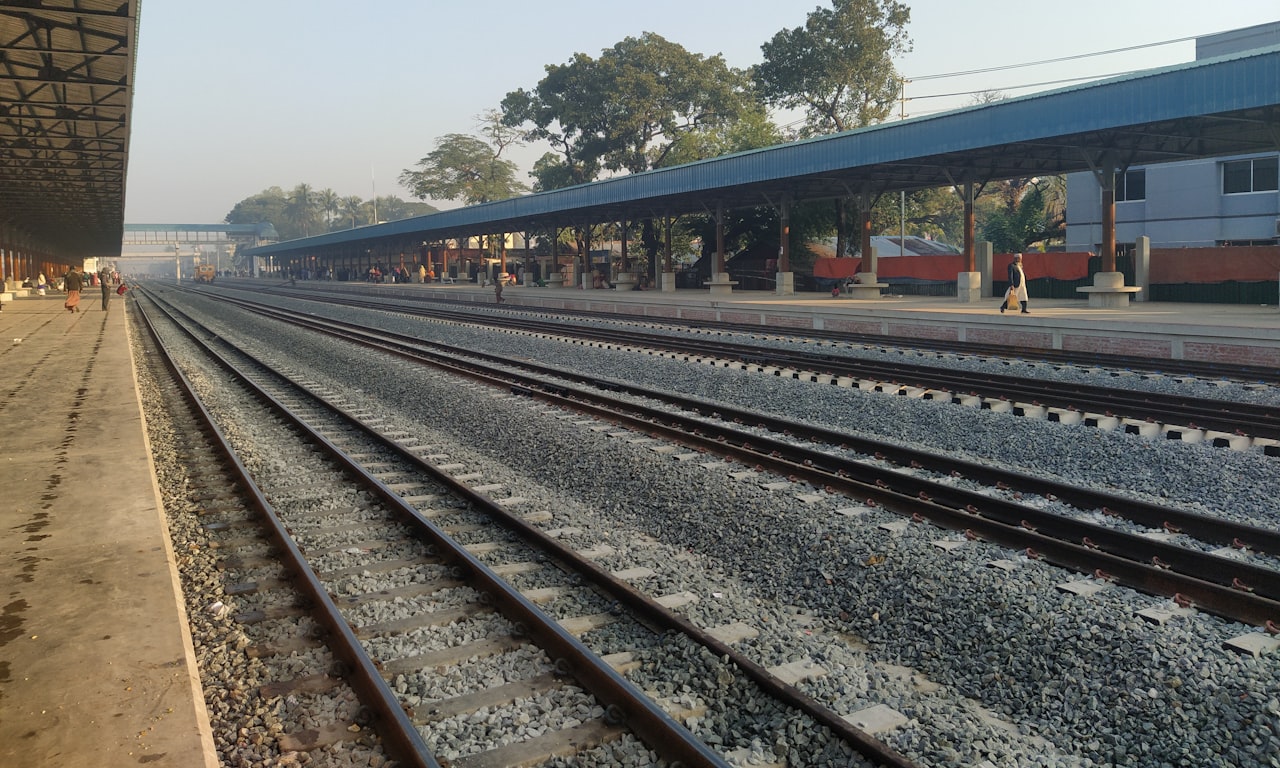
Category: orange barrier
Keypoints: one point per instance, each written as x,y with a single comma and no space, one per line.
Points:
835,269
1062,266
1255,263
1169,266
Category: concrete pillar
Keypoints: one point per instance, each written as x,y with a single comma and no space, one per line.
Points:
969,287
786,284
975,283
984,261
1142,268
867,286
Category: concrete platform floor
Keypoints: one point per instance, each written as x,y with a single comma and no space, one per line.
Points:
97,667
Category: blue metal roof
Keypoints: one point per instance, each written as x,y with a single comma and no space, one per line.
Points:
1220,106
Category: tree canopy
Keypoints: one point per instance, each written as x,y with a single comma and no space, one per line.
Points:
1027,211
298,213
838,67
467,168
628,110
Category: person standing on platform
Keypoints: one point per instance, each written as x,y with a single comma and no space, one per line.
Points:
75,283
1017,283
104,280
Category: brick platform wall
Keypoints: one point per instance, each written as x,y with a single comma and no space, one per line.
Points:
1010,338
1231,353
1161,349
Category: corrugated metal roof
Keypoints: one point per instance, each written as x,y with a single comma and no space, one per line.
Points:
66,93
1221,106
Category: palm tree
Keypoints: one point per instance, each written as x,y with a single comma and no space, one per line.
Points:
300,209
352,207
330,203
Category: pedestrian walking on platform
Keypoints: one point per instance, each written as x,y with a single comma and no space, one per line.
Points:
497,291
1017,286
104,280
75,283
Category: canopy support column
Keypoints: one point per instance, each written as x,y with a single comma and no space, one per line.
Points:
1108,290
865,285
719,284
784,278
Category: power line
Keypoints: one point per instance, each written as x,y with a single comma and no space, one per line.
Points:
1018,87
1052,61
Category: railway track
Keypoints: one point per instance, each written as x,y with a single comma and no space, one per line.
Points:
1213,578
1127,363
395,473
1138,411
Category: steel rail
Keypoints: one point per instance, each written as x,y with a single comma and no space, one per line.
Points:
641,715
1252,373
390,720
1208,528
1199,413
650,610
1172,571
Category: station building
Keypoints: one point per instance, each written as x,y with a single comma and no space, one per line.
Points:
1219,201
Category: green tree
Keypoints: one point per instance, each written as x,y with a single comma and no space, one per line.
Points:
329,203
1025,214
838,67
464,168
392,208
644,103
627,110
467,168
756,227
552,171
301,211
356,210
752,130
266,206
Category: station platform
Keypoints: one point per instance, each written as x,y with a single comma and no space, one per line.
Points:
1221,333
97,668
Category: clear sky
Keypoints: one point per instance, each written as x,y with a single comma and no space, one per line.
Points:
236,96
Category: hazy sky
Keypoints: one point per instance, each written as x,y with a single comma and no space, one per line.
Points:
235,96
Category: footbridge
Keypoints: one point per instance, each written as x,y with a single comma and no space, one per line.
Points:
180,247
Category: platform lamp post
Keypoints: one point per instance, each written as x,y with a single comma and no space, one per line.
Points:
177,262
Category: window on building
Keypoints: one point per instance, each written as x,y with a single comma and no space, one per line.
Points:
1258,175
1131,185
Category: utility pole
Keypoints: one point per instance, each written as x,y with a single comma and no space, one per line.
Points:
902,193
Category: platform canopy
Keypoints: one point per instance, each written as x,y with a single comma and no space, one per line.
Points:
1228,105
66,93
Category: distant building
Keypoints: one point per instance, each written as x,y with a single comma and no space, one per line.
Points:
1220,201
